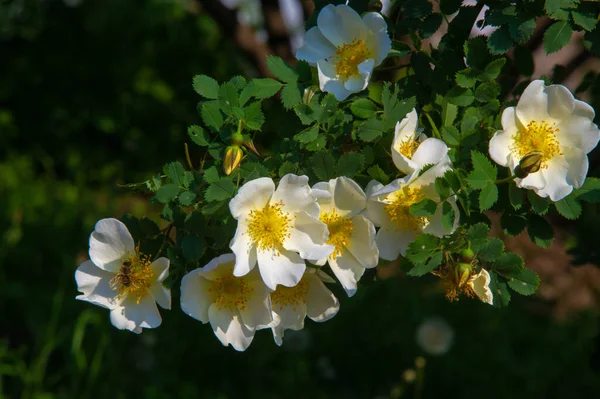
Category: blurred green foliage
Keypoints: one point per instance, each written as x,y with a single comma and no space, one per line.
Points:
101,93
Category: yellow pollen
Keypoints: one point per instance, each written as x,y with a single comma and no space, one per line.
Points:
134,278
340,231
408,147
269,227
231,292
289,296
349,56
397,208
537,137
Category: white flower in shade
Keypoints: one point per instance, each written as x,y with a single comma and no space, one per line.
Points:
548,121
310,297
411,150
388,208
234,306
345,48
277,229
480,284
121,279
352,235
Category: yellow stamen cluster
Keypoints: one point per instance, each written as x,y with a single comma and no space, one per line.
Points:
456,284
340,231
397,208
269,227
408,147
537,137
290,296
349,56
134,278
231,292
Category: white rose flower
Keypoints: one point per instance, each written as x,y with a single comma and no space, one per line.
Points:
234,306
121,279
277,229
480,284
388,208
310,297
411,150
352,235
549,121
345,48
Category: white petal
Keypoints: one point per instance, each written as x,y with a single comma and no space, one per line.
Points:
316,47
481,286
432,151
563,174
308,237
329,81
321,304
162,295
435,227
195,295
228,328
285,268
561,102
534,181
533,104
356,83
160,268
362,242
392,243
244,250
578,132
290,316
253,195
296,195
348,270
94,284
340,24
378,39
375,210
256,313
109,243
134,316
348,197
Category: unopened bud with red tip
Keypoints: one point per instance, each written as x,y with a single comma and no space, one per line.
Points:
233,158
375,5
530,163
463,272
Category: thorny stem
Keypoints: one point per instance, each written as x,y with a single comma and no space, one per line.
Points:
165,240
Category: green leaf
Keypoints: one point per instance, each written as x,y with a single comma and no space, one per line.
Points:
470,121
526,283
448,216
417,8
477,235
539,204
492,70
363,108
509,265
466,78
187,198
206,86
448,7
451,135
211,175
540,231
476,52
228,97
500,41
317,145
586,21
569,207
323,165
264,88
424,207
442,187
515,195
167,193
307,135
424,253
513,224
590,191
220,190
557,36
176,173
499,289
522,31
286,168
399,49
211,115
350,164
486,92
198,135
492,250
254,116
376,173
371,130
430,25
253,170
282,70
453,180
192,247
460,96
488,196
483,172
290,95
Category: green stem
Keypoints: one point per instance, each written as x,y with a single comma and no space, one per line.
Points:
436,132
506,180
187,158
392,67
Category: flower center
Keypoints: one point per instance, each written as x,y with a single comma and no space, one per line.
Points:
397,208
269,227
340,231
408,147
231,292
134,278
348,56
537,137
289,296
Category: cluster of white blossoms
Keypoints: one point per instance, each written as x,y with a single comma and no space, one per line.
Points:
286,233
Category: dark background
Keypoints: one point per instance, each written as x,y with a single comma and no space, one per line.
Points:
100,93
